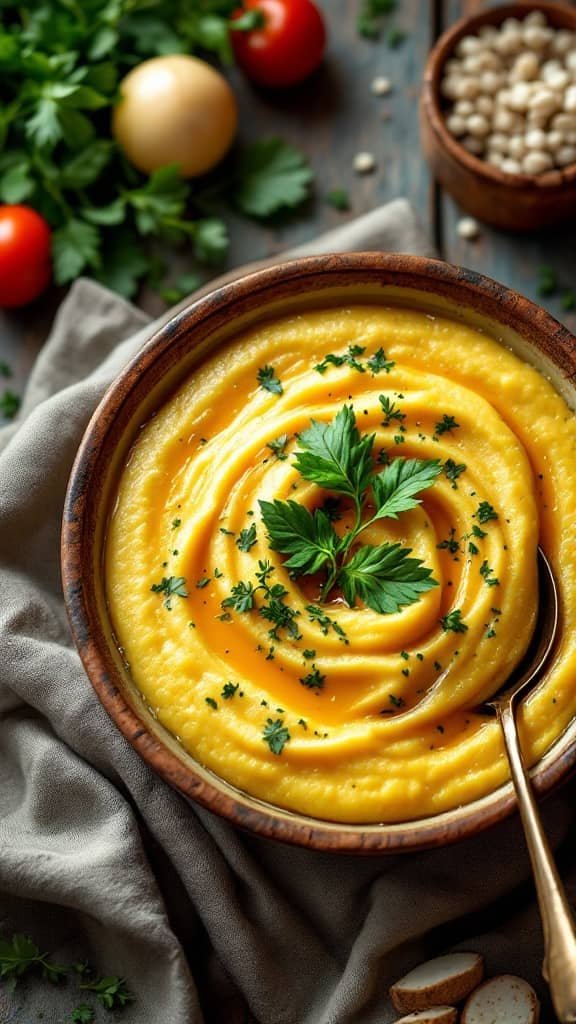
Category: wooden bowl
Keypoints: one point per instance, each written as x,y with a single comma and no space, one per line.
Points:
161,365
518,202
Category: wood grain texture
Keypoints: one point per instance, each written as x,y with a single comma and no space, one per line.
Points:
502,255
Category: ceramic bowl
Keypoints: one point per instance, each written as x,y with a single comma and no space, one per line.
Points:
517,202
142,387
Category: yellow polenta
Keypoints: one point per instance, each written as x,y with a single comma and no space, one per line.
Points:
393,733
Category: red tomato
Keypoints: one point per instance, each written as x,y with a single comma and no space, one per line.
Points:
25,268
287,48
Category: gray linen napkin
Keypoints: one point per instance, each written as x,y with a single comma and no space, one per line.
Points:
100,859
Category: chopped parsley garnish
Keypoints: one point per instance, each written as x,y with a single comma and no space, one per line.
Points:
227,533
472,549
450,543
241,598
246,539
397,702
211,702
203,582
348,359
303,723
268,380
308,653
276,735
314,680
339,199
453,622
316,615
477,532
453,470
111,992
278,446
486,512
390,410
446,425
170,586
336,457
379,362
488,575
176,523
229,690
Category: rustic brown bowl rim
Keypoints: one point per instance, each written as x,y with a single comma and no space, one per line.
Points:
432,104
467,289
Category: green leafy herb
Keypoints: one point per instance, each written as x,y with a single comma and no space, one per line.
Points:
278,446
308,654
169,586
370,16
379,362
268,380
19,955
450,544
336,457
276,735
83,1014
272,175
309,538
453,622
385,578
176,523
397,702
241,598
9,404
339,199
229,690
390,410
349,358
485,513
452,470
317,616
246,539
487,575
211,703
446,425
203,582
111,992
314,680
248,21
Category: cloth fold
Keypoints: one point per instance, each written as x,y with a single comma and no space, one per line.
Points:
101,859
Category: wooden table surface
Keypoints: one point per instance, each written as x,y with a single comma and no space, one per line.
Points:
332,117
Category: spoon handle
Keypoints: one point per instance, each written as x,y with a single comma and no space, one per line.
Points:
559,966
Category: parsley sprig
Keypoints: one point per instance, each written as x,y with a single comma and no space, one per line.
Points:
337,458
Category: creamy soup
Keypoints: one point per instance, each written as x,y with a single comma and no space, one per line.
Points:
295,686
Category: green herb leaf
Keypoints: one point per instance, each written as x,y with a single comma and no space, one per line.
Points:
111,992
335,456
339,199
314,680
246,539
241,597
276,735
169,586
453,622
83,1014
278,446
75,246
308,538
385,578
390,410
268,380
395,487
9,404
248,21
446,425
379,362
486,512
229,690
272,175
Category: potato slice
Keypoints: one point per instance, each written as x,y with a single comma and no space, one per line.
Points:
436,1015
440,982
505,998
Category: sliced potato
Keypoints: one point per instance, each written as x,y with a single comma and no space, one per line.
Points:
440,982
436,1015
503,998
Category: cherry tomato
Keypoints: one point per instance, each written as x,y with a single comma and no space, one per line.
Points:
287,48
25,268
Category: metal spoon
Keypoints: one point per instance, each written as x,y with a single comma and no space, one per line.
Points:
559,966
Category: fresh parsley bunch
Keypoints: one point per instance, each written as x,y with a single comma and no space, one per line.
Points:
337,458
60,65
